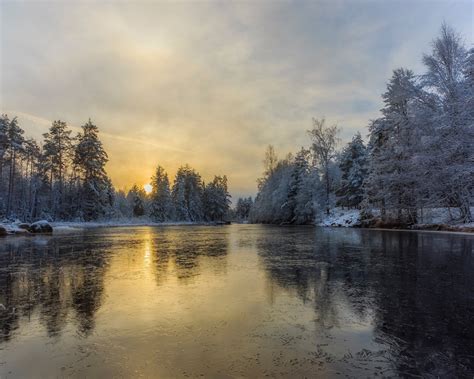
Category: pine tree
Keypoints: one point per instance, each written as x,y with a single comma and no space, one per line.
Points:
392,180
15,146
161,203
451,141
136,199
58,152
243,207
216,199
353,165
272,203
301,191
4,124
90,159
34,178
187,195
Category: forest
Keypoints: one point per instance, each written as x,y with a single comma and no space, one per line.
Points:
419,155
64,179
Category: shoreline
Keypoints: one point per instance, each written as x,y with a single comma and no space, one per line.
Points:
59,227
66,226
459,231
427,228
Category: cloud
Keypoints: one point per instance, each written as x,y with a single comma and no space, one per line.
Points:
209,84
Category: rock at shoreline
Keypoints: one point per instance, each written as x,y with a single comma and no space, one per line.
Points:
42,226
3,231
23,225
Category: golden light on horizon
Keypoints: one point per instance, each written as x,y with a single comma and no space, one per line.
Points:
148,188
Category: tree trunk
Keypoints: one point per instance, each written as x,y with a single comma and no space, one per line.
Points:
11,183
327,189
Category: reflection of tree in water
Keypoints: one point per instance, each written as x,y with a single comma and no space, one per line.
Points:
87,287
51,276
419,288
310,264
425,302
183,249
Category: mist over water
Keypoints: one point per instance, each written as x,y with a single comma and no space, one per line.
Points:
239,300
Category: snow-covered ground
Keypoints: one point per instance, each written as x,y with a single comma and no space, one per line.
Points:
18,227
434,216
342,217
13,228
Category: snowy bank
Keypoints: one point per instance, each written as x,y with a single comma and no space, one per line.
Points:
17,227
436,219
348,218
22,228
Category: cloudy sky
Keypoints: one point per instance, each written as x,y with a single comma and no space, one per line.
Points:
209,83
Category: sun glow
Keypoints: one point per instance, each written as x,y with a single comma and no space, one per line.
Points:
148,188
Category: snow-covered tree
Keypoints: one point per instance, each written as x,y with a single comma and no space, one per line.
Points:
216,199
4,125
187,195
243,207
304,181
121,206
353,166
324,142
392,173
35,180
15,142
451,141
161,202
136,198
272,204
90,159
57,150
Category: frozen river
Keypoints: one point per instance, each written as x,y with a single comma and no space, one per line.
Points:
237,301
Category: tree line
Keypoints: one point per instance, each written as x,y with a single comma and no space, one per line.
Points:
419,154
189,198
64,178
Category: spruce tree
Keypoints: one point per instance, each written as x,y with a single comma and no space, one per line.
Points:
90,159
58,152
353,165
161,203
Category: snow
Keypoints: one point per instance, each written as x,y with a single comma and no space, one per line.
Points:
13,228
18,227
342,218
441,217
41,223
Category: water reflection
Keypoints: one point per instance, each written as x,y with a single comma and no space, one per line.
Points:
238,301
415,289
182,254
56,278
64,277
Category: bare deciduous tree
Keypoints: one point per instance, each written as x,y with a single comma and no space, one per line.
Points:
324,142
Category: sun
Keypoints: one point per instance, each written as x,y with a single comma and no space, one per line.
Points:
148,188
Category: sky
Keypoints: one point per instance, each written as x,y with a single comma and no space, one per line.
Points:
210,84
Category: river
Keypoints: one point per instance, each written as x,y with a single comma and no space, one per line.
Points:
237,301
